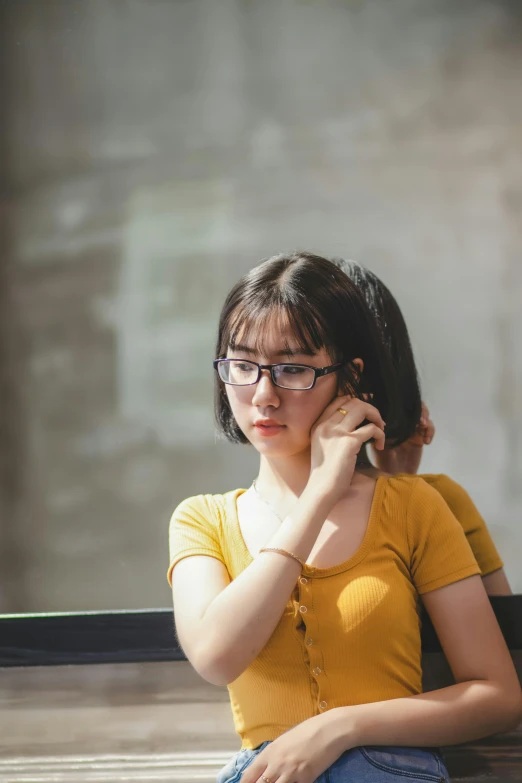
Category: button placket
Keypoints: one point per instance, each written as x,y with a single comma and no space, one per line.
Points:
314,652
319,681
304,599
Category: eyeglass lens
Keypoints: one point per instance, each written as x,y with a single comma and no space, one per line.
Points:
288,376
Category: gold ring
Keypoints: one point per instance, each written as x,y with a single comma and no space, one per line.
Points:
266,779
341,410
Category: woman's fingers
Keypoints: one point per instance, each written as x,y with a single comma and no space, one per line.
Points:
358,412
337,402
356,409
369,431
348,416
426,428
253,773
430,432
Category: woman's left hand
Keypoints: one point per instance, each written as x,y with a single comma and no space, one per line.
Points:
299,755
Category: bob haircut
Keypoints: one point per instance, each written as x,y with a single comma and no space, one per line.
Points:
313,300
395,337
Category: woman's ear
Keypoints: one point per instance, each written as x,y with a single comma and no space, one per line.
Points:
350,377
358,366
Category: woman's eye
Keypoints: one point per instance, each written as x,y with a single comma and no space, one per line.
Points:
293,369
241,367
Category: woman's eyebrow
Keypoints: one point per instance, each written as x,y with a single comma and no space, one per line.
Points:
283,352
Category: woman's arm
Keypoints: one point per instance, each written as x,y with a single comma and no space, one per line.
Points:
485,700
479,537
406,459
497,583
223,625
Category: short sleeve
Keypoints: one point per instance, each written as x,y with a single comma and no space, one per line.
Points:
194,530
439,551
472,522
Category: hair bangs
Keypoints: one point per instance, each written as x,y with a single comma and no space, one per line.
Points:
250,328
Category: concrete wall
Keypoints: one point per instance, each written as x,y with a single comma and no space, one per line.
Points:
154,151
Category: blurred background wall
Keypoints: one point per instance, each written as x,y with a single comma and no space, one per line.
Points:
154,151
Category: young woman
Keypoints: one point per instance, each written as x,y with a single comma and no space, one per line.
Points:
418,428
302,593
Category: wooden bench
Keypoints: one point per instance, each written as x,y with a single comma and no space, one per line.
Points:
90,696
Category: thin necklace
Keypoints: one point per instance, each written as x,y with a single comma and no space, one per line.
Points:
361,464
261,498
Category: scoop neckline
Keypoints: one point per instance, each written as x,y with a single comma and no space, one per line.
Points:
315,571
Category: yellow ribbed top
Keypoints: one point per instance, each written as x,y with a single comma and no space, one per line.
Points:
473,524
349,634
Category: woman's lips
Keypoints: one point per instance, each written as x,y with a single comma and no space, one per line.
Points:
267,430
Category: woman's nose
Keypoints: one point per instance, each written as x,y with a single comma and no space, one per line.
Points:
265,392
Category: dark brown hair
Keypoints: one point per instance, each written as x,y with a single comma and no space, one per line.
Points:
396,340
323,309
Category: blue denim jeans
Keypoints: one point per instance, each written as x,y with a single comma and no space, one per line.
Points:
361,765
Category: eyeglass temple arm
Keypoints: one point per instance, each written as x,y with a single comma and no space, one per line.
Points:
327,370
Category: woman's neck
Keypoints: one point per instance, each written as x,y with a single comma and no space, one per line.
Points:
290,475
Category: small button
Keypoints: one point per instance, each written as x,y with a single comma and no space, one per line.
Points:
317,670
309,642
323,705
303,580
303,609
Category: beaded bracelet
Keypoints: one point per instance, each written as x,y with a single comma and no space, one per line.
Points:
283,552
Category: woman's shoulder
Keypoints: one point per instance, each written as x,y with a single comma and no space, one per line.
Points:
207,506
453,493
440,481
414,495
405,483
425,509
443,484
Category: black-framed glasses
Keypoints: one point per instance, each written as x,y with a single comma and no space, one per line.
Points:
243,372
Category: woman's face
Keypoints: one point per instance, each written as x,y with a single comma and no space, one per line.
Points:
278,421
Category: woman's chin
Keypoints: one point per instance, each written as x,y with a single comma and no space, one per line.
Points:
271,448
